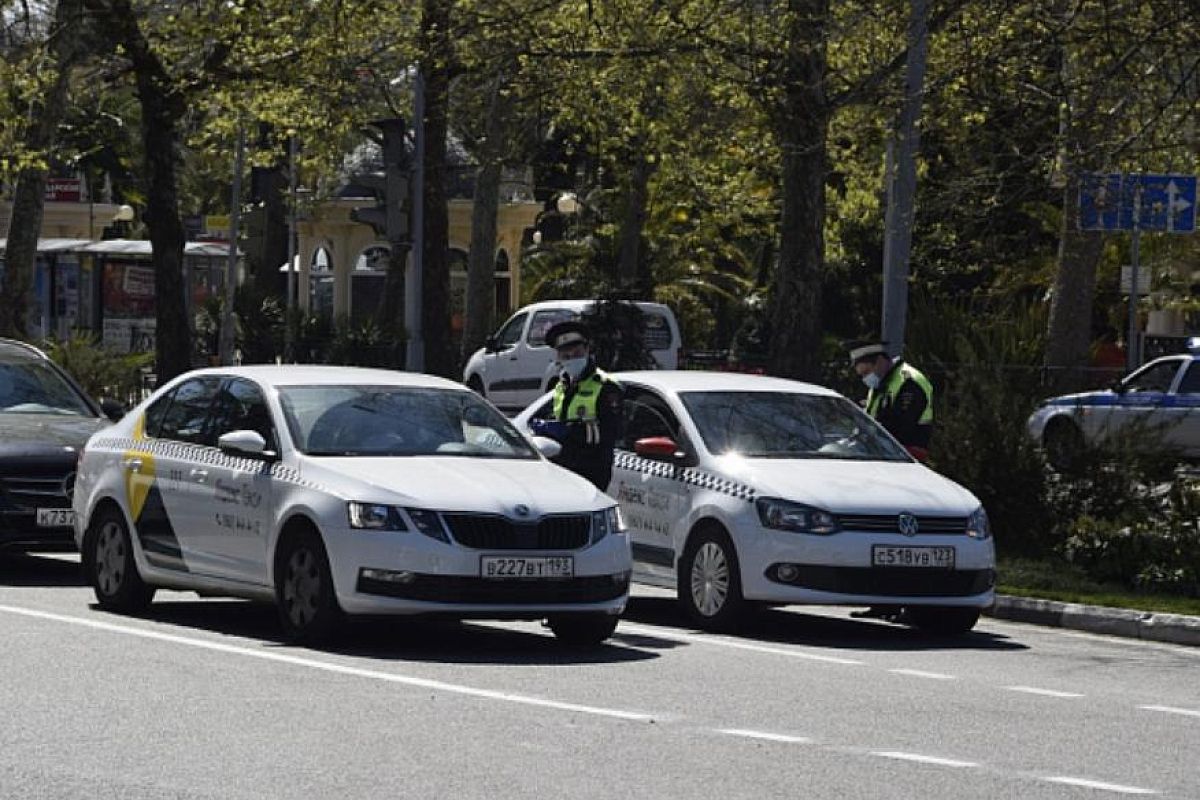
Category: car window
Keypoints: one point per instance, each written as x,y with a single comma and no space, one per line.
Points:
363,420
543,321
510,334
35,387
1155,377
788,425
646,415
187,417
241,406
155,413
1191,381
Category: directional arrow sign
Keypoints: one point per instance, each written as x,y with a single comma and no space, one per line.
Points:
1163,202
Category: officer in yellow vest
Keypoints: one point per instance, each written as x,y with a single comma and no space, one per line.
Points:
899,396
587,407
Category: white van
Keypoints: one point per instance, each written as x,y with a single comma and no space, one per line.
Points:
513,368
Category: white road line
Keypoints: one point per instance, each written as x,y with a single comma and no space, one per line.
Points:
920,759
310,663
1107,787
1042,692
770,737
1187,712
917,673
650,630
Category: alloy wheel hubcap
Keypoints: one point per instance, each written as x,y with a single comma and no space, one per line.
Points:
110,558
710,579
302,588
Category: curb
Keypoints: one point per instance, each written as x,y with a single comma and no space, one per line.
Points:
1148,625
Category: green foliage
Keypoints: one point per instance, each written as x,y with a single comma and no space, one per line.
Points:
102,373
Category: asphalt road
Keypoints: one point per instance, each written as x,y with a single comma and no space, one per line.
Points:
200,699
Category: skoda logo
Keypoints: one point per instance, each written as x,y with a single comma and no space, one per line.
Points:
68,486
522,510
908,524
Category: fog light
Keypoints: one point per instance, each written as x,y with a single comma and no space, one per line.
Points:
787,572
387,575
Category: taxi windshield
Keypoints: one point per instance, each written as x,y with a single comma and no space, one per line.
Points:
788,425
354,420
32,387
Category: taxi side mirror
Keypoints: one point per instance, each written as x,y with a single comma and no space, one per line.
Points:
658,448
249,444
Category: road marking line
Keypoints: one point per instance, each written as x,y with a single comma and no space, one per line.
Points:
917,673
281,658
650,630
920,759
1187,712
1108,787
1042,692
770,737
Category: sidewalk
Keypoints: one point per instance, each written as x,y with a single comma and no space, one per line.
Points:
1172,628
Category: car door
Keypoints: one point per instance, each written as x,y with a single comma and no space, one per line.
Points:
502,361
234,518
165,479
652,494
1140,408
1182,410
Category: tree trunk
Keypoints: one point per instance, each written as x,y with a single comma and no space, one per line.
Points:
162,107
629,278
25,218
480,303
435,272
1069,334
802,128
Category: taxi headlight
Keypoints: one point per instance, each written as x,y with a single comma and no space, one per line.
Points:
978,526
784,515
374,517
429,523
605,522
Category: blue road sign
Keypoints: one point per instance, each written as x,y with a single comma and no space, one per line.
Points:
1166,202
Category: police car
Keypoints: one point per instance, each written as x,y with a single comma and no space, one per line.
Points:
1158,404
739,489
338,490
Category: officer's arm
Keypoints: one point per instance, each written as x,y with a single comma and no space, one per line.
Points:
610,414
909,405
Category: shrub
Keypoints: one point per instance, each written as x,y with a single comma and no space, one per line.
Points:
101,372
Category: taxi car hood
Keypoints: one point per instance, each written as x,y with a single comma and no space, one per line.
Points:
450,483
853,487
21,432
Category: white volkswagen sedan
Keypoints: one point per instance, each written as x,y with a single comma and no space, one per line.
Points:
337,490
739,488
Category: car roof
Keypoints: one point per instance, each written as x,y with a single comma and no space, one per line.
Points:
310,374
579,305
12,349
691,380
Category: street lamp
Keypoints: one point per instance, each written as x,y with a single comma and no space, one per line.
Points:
568,204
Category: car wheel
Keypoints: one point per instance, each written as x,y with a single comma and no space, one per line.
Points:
943,620
475,384
583,629
1063,444
111,568
308,607
709,584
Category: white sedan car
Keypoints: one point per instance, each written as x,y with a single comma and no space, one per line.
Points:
337,490
739,488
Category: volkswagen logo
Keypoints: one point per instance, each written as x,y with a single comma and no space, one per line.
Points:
908,524
68,486
522,510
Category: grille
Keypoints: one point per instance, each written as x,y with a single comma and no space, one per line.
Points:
35,492
490,532
889,523
894,582
462,589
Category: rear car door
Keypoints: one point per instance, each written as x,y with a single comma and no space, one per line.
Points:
234,516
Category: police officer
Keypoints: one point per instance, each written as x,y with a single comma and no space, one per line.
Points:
899,396
586,409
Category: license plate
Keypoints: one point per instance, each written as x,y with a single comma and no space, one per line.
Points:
519,567
55,517
899,556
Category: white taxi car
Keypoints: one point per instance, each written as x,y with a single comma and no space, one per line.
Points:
338,490
741,488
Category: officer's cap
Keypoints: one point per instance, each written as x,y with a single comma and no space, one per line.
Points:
567,333
865,350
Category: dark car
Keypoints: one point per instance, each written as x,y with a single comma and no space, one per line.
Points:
45,419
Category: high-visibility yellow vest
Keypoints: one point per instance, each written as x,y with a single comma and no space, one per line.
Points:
584,403
896,378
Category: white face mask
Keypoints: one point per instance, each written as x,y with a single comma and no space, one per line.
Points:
871,380
573,367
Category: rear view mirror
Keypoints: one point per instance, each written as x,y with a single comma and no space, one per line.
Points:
546,446
491,344
112,409
657,448
244,443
